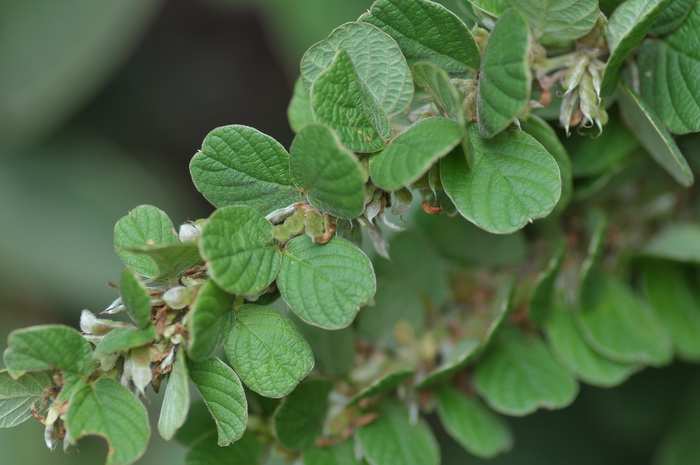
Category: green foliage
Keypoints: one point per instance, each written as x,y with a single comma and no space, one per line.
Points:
335,354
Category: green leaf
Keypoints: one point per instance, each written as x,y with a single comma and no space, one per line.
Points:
505,79
427,31
299,112
523,361
334,351
471,424
18,395
238,247
136,298
570,348
384,384
108,409
392,440
513,181
47,347
171,260
239,165
545,135
668,69
672,17
122,339
338,454
267,351
209,322
627,27
438,84
299,419
223,393
411,154
562,20
618,325
328,173
676,301
145,225
463,352
247,451
653,136
679,242
325,284
493,8
341,99
176,401
540,303
377,58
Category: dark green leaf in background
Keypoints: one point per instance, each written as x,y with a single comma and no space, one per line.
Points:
334,351
677,241
239,165
462,353
338,454
299,419
247,451
384,384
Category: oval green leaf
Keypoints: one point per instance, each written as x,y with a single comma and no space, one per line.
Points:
392,440
329,174
239,165
472,425
518,375
18,395
47,347
171,260
505,79
342,100
223,394
679,242
108,409
122,339
427,31
299,112
299,419
653,136
209,322
513,181
238,247
136,298
384,384
267,351
145,225
411,154
562,20
325,284
176,401
377,58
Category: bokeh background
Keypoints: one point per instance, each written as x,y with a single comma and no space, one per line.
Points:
102,105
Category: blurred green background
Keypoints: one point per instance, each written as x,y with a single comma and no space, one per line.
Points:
102,105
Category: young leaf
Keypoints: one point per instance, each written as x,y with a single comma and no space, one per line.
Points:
411,154
618,325
108,409
238,247
505,79
209,322
329,174
47,347
223,393
679,242
325,285
299,112
471,424
570,348
145,225
665,69
342,100
267,351
18,395
562,20
122,339
427,31
462,353
676,302
171,260
239,165
518,375
299,419
176,401
513,181
377,58
136,298
392,440
384,384
627,27
247,451
338,454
